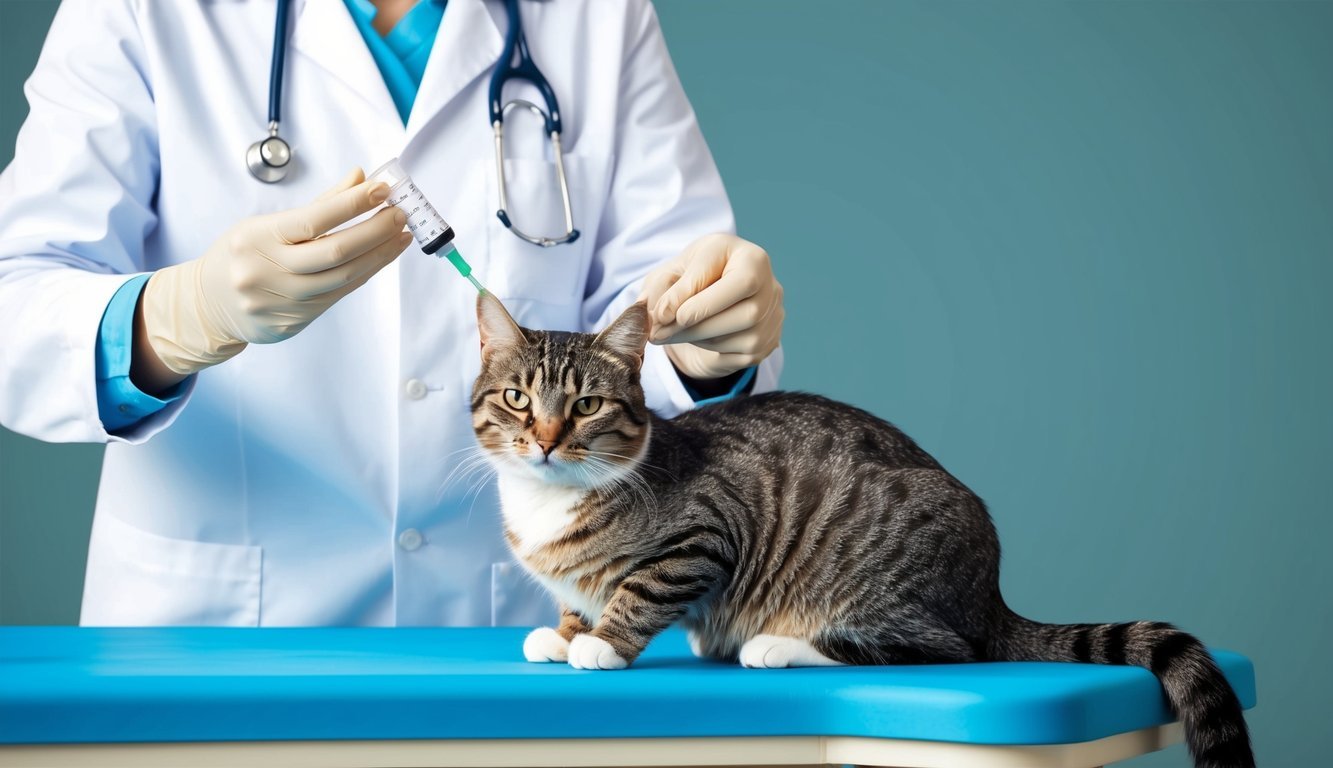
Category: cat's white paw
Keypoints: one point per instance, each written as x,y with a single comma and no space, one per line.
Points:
545,644
588,652
696,645
777,652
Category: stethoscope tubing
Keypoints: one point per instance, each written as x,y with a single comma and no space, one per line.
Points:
278,63
525,69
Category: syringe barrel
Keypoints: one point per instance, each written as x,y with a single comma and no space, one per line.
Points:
390,173
429,228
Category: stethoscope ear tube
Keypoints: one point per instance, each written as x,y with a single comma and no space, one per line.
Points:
269,159
525,69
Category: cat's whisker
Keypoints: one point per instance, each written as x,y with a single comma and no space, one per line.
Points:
608,453
477,455
466,464
586,472
589,470
465,449
464,478
474,448
637,462
464,470
475,492
616,474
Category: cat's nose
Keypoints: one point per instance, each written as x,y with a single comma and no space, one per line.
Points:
547,446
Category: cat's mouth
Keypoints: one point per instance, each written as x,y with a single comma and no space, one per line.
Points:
574,465
559,472
556,468
541,459
553,467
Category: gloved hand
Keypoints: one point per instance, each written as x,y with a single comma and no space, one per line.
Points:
717,306
269,276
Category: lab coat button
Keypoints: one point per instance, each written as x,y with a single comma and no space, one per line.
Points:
411,539
415,389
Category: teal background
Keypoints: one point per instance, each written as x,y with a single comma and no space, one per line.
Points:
1081,250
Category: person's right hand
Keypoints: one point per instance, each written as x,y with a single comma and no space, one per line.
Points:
269,276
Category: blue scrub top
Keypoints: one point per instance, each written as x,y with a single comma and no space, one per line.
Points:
402,54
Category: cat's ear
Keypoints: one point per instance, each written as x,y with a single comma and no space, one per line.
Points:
498,329
628,334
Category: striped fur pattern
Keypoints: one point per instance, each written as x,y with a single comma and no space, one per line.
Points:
782,529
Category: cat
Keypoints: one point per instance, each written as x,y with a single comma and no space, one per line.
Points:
780,529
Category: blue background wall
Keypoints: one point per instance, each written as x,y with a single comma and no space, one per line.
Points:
1081,251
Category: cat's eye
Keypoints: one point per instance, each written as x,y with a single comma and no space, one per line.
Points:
516,400
587,406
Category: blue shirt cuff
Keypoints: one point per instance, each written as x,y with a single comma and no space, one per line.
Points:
741,386
120,404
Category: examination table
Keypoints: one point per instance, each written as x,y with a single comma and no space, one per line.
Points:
465,697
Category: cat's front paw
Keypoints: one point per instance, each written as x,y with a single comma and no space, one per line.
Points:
589,652
545,644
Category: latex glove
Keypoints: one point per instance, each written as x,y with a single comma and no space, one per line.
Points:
269,276
717,306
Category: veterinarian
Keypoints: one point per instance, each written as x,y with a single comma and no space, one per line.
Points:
190,274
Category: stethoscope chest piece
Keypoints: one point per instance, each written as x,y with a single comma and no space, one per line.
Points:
270,158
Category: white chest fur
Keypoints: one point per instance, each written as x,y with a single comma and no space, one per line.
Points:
537,513
588,606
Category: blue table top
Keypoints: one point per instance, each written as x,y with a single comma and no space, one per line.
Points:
68,684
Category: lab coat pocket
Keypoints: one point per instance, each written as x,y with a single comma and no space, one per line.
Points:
138,578
517,269
517,599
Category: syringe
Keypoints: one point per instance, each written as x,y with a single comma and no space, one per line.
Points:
431,231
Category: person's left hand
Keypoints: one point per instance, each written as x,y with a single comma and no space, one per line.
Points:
717,306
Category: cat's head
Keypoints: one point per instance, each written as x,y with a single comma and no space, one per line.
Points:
562,408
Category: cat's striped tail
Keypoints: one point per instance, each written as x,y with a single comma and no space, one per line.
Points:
1197,693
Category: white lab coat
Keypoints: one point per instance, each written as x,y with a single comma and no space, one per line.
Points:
313,482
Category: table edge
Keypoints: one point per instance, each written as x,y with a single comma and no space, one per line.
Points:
594,753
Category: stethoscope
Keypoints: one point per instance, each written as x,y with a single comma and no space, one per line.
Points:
270,159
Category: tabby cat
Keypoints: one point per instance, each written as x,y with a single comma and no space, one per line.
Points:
781,529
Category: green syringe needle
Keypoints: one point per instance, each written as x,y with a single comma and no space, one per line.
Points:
463,267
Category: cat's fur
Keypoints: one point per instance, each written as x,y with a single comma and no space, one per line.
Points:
781,529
